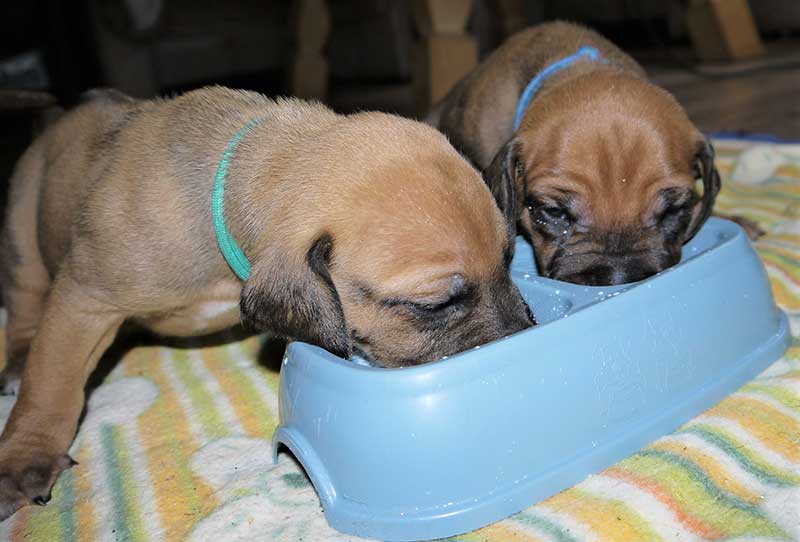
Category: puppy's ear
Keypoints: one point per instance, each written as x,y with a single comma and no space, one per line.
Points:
501,176
704,160
295,297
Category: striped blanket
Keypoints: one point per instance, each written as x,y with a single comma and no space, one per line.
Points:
176,443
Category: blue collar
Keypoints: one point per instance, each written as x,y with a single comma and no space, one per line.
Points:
585,52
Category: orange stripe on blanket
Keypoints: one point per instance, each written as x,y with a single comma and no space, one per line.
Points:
787,170
22,518
693,523
771,426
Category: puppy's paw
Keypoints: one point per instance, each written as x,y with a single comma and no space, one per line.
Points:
29,481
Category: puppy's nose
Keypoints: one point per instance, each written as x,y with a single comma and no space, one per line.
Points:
631,274
517,317
612,275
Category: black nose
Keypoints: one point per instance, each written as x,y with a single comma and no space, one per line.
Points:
517,317
633,273
610,275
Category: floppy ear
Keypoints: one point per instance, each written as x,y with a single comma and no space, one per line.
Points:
501,176
296,298
711,185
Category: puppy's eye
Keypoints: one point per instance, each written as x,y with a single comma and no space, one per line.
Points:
546,212
425,311
675,204
459,302
434,308
555,214
670,211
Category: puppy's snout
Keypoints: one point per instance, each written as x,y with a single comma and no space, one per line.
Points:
611,275
631,273
512,312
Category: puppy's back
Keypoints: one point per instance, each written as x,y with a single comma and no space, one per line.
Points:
51,174
114,159
478,113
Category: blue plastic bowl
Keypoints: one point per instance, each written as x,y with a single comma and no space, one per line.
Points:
444,448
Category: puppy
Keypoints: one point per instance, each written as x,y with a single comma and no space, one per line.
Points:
365,233
603,163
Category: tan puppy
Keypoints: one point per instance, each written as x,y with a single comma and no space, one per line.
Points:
604,163
366,233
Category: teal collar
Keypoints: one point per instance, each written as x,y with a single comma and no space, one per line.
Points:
227,244
586,52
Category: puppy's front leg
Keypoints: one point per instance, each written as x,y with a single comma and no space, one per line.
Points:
76,328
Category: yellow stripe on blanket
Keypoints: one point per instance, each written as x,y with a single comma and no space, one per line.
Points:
499,531
772,427
183,498
251,409
715,470
779,393
610,520
85,509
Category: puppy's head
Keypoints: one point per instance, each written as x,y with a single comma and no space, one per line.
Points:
396,251
606,172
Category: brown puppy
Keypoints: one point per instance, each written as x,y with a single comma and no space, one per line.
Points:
366,233
604,163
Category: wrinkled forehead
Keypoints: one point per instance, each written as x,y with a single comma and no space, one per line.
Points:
424,220
614,168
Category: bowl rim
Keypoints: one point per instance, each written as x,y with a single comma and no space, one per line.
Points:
726,233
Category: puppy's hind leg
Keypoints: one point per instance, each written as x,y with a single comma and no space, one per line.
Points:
25,280
76,327
23,305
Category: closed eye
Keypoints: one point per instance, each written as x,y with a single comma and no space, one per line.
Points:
430,309
433,308
674,201
554,217
555,214
671,211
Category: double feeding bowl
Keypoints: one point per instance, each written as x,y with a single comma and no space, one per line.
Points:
443,448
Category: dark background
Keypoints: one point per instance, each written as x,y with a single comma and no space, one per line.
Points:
167,46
